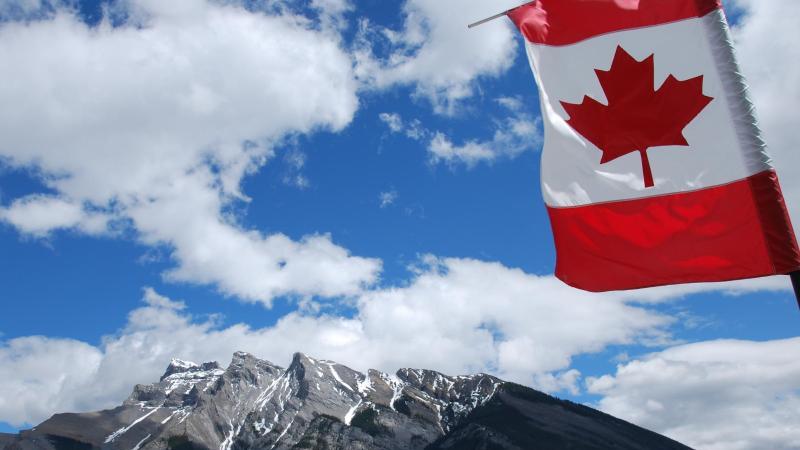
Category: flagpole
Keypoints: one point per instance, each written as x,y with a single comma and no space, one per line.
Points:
498,15
795,276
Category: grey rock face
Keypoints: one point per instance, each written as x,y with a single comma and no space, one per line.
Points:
318,404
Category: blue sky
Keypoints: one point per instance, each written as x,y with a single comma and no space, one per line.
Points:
401,180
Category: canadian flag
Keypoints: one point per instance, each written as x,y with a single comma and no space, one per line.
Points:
653,168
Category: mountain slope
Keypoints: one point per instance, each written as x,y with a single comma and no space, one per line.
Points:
5,439
519,417
318,404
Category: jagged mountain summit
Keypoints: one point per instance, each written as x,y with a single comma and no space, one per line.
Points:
318,404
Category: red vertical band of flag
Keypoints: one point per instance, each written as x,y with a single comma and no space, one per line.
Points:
721,233
776,226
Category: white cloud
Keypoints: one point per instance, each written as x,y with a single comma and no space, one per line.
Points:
38,215
766,44
387,198
415,130
715,395
510,327
566,381
513,104
436,53
393,121
412,129
332,12
295,161
47,375
157,121
728,288
517,133
441,149
211,250
456,316
512,136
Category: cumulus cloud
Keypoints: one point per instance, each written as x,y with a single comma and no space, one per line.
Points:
48,375
156,121
38,215
715,395
729,288
332,12
518,132
387,198
435,52
455,315
512,136
295,161
510,103
441,149
412,129
152,122
393,121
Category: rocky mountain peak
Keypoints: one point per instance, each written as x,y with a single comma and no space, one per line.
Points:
179,366
246,367
177,386
299,363
241,358
315,403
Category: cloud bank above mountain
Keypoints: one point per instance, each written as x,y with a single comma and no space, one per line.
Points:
457,316
722,394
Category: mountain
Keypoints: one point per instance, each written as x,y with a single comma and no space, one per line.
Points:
318,404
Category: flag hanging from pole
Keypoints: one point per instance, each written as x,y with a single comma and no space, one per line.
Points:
653,167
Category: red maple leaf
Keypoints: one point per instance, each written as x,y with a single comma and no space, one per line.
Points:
637,116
